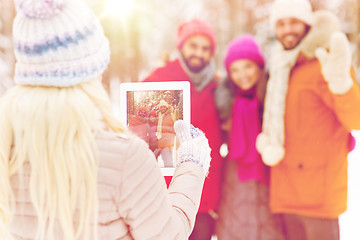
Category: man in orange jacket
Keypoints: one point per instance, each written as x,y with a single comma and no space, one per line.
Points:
311,106
165,132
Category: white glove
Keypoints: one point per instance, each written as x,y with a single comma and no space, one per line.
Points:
194,146
335,65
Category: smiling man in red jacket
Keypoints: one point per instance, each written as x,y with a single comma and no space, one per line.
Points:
196,43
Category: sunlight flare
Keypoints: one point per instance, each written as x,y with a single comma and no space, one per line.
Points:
119,8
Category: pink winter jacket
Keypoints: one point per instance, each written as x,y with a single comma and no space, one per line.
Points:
134,202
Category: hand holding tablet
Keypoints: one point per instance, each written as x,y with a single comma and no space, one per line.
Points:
194,146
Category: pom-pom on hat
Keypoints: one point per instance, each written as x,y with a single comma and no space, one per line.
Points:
299,9
195,27
58,43
244,47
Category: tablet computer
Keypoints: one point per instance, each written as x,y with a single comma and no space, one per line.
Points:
149,110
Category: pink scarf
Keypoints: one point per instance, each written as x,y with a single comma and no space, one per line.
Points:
245,128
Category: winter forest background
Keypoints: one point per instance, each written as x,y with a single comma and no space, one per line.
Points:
142,34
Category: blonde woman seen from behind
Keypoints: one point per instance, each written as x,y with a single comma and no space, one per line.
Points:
69,169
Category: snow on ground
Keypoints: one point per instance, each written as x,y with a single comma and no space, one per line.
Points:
350,220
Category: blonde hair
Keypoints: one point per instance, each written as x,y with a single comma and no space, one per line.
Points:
53,131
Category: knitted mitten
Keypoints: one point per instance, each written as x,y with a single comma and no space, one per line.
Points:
194,145
335,64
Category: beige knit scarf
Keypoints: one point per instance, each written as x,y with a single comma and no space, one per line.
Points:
270,143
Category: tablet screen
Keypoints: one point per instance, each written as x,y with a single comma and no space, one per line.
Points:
149,110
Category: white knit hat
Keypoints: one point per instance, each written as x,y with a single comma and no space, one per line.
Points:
58,43
299,9
163,103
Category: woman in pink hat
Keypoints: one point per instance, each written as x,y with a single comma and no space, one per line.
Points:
244,212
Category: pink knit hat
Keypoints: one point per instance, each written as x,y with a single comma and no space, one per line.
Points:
194,27
244,47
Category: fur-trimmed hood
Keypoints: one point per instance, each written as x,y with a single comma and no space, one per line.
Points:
325,24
